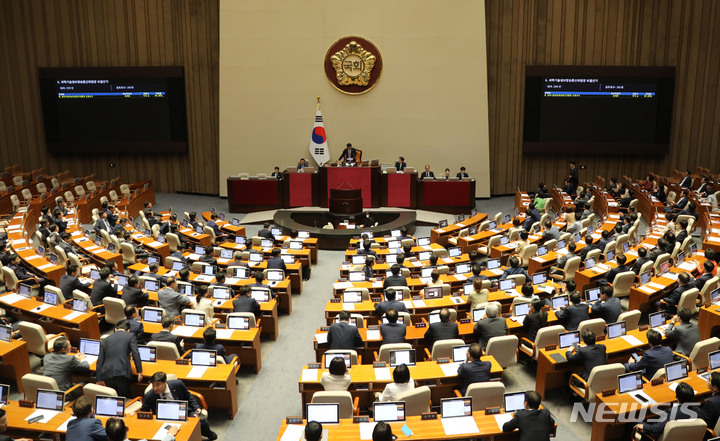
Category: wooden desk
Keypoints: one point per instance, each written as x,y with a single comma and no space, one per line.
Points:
424,373
446,196
249,195
53,319
138,429
14,361
398,190
224,225
367,179
522,200
560,199
96,253
440,236
709,321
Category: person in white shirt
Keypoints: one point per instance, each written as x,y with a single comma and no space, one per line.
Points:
401,383
337,377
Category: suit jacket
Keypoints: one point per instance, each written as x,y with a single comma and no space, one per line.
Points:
488,328
652,360
171,300
102,224
427,175
69,283
398,280
534,425
512,271
86,429
101,289
710,410
563,260
477,371
609,310
700,281
265,234
66,247
393,332
210,260
681,413
383,307
246,304
344,336
685,334
551,233
138,330
686,182
134,296
674,297
348,155
214,226
179,392
573,315
61,366
400,166
615,271
441,331
114,358
639,262
276,262
590,356
534,322
169,337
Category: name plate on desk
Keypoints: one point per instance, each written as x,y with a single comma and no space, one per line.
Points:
465,320
492,411
335,300
325,328
421,325
182,361
26,403
443,360
142,415
657,381
417,298
313,365
643,327
428,416
600,338
608,392
550,347
361,419
379,364
294,420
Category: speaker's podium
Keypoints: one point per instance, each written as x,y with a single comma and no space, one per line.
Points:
346,202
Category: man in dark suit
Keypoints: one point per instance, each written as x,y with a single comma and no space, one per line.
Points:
514,268
166,335
682,234
212,223
85,427
462,173
276,173
395,279
366,250
641,260
275,261
533,423
710,410
590,355
670,302
572,246
400,164
59,220
589,246
489,327
43,229
574,313
134,296
348,155
136,327
700,282
442,330
683,331
608,307
265,232
383,307
23,274
535,319
686,180
102,288
113,363
690,210
102,223
392,331
64,245
427,174
682,410
301,164
164,389
474,370
69,282
680,204
573,176
208,256
245,303
620,268
653,359
342,335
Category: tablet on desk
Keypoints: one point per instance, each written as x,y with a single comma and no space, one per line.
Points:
676,370
4,392
389,411
151,285
402,356
356,276
296,245
152,315
462,268
241,272
560,301
220,293
50,399
203,357
148,354
455,407
50,298
507,285
423,241
177,265
240,323
122,280
358,259
94,274
424,255
226,254
539,278
433,292
323,413
194,319
208,270
153,259
80,305
24,290
352,296
645,277
592,294
460,353
109,406
186,289
629,382
478,314
426,272
5,333
275,275
89,347
616,329
434,317
568,339
260,295
303,234
520,309
172,410
656,319
514,401
289,259
455,252
345,356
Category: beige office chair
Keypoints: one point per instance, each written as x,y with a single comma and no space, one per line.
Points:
453,314
660,260
104,238
125,190
173,241
621,286
609,247
90,185
27,195
55,183
631,319
38,342
710,286
55,290
686,430
619,242
593,254
504,349
15,201
69,198
408,241
128,254
548,335
551,245
384,353
443,348
80,191
348,406
249,315
463,233
571,267
41,188
417,401
3,187
528,253
92,390
699,355
601,378
359,320
113,196
165,350
114,310
485,395
17,181
155,230
689,300
32,382
597,325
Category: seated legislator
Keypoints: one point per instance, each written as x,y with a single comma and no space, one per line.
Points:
85,427
102,288
514,268
208,257
349,154
551,232
562,261
23,274
535,319
392,331
442,330
653,359
478,295
275,261
401,383
477,269
313,431
117,431
132,295
136,327
391,303
166,334
265,232
682,331
708,268
684,409
245,303
474,370
607,307
395,279
490,326
462,173
533,423
171,300
336,378
276,173
710,409
301,164
342,335
153,271
573,314
621,268
383,432
212,223
670,303
641,260
60,365
209,336
366,250
164,389
69,282
591,355
400,164
427,175
446,175
102,224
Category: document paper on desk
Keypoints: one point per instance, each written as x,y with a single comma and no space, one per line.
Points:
382,373
184,331
373,334
502,418
321,338
419,303
63,426
366,430
73,315
310,375
632,340
197,371
293,432
224,334
348,307
42,307
47,415
450,369
11,298
460,277
342,285
459,426
162,431
656,285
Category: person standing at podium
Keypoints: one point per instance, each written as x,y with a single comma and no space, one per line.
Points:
427,174
462,173
348,155
400,164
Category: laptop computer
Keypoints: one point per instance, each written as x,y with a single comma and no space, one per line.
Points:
676,370
520,309
152,315
560,301
203,357
50,298
539,278
629,382
260,295
592,294
356,276
80,305
423,241
91,349
171,410
567,339
424,255
645,277
94,274
460,353
50,399
455,252
434,317
151,285
616,329
186,289
433,292
478,314
463,268
5,333
208,270
240,240
239,323
350,296
108,406
507,285
589,263
24,290
275,275
455,407
402,356
493,264
513,401
240,272
194,319
288,259
389,411
148,354
296,245
656,319
426,272
323,413
4,392
221,293
358,259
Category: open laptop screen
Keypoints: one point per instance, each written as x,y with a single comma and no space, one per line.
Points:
389,411
629,382
275,275
539,278
592,294
110,406
147,353
478,313
352,296
514,401
462,268
559,301
5,333
656,319
433,292
676,370
89,347
79,305
521,309
460,353
455,407
50,399
203,357
240,272
241,323
356,276
616,329
151,285
194,319
152,315
323,413
402,356
172,410
344,355
714,359
221,292
4,392
507,284
568,339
